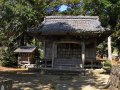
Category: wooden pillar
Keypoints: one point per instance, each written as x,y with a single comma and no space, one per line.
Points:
19,60
53,54
95,46
44,49
28,60
83,54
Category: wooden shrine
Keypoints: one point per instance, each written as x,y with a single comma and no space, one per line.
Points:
26,55
70,41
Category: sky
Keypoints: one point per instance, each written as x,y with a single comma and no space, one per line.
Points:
63,8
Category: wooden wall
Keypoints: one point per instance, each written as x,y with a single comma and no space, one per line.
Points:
90,51
48,49
68,50
24,57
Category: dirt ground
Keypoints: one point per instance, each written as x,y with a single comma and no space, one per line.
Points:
11,69
24,80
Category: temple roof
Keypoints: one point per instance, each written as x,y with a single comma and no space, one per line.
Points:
70,24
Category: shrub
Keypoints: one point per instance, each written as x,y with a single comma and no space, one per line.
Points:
7,57
107,66
107,63
2,54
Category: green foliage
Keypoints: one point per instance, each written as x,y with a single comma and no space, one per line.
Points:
16,16
107,63
2,53
107,66
19,15
7,57
3,39
116,40
102,48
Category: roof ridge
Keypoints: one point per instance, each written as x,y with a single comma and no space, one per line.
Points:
72,17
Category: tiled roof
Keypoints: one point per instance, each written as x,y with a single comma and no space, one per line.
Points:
72,24
25,49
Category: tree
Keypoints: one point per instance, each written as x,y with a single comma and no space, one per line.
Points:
107,10
16,16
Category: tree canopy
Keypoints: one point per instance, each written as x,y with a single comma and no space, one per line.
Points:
17,16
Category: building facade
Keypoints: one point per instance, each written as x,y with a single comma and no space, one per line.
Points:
70,41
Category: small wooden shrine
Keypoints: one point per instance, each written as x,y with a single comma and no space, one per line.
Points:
26,55
70,41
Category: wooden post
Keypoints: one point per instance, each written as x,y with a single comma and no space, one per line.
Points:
28,60
95,49
109,48
19,60
44,53
44,49
83,54
53,54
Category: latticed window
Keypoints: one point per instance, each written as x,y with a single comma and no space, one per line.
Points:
68,50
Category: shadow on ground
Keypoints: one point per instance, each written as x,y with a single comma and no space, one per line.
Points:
24,80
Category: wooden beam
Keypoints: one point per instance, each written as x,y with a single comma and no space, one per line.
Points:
83,54
75,42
